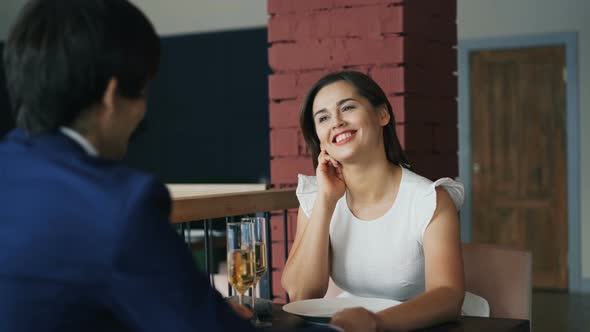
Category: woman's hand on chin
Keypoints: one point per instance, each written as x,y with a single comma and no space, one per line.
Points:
329,177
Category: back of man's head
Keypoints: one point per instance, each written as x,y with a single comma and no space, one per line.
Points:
61,54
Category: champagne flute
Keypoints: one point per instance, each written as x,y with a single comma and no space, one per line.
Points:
260,258
240,256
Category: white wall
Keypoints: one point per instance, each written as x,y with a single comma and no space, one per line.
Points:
172,17
501,18
182,16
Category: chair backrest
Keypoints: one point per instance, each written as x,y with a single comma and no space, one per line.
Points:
500,275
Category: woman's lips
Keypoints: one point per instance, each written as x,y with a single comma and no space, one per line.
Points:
344,137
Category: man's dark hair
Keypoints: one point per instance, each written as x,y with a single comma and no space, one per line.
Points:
60,55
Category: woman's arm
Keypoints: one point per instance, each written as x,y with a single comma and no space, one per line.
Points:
445,285
307,270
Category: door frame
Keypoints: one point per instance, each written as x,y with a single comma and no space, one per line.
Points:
570,40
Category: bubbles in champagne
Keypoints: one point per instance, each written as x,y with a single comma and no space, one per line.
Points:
260,253
241,272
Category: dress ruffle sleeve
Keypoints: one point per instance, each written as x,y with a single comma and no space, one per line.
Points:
426,204
307,190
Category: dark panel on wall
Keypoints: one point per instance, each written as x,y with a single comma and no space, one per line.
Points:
207,117
6,121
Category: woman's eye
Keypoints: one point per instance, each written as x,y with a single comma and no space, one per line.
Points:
322,119
347,107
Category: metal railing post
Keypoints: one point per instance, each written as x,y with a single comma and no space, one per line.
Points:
266,281
208,252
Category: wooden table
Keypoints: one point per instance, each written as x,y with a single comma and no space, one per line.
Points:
285,321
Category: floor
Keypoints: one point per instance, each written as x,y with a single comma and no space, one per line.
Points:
560,311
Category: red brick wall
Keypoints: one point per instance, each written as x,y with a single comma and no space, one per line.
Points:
407,47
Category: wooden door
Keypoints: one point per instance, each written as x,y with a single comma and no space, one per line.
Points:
519,155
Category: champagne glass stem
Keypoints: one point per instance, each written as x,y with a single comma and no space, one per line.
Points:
240,299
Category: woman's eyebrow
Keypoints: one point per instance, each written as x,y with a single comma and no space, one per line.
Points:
337,104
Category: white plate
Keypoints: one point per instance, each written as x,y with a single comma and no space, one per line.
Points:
323,309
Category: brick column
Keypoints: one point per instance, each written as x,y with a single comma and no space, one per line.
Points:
406,46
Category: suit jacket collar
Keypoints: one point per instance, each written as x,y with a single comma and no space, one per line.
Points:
55,142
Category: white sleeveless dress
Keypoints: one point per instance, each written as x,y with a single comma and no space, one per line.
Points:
384,257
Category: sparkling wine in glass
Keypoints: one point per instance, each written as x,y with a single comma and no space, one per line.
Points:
260,258
240,256
260,254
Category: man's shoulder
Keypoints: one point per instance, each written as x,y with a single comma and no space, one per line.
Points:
55,167
125,184
121,175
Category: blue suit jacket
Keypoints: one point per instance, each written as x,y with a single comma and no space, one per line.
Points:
86,245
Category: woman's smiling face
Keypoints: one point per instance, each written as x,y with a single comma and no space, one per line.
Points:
346,123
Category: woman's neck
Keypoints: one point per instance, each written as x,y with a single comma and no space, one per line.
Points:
371,182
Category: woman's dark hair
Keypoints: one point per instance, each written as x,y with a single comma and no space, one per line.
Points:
60,55
368,89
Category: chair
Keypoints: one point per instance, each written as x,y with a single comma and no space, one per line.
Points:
500,275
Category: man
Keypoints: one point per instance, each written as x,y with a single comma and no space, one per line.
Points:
85,243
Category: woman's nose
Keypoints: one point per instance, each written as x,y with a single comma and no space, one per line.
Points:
338,121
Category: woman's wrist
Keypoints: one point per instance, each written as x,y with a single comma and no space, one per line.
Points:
327,199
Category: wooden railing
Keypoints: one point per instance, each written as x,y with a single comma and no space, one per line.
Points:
185,209
197,204
178,190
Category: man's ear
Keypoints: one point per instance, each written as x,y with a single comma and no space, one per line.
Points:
110,95
383,115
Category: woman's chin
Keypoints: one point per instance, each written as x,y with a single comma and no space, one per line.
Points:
343,159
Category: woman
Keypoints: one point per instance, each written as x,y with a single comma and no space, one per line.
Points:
366,220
